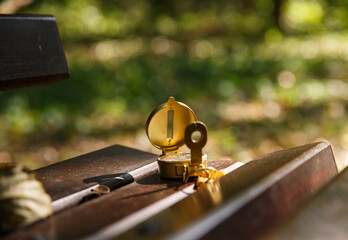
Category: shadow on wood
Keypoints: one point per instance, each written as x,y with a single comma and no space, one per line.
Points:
241,205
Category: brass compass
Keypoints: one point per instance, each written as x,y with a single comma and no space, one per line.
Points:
169,127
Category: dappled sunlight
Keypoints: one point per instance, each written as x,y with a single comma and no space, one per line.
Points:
241,112
335,110
262,75
166,25
117,50
160,45
309,49
315,46
302,14
286,79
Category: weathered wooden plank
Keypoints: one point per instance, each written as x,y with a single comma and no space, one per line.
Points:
30,51
247,202
73,175
89,217
324,217
254,196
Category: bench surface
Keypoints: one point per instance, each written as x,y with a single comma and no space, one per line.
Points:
324,217
280,181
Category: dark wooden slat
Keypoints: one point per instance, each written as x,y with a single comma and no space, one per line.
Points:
259,194
30,51
76,174
248,201
325,217
89,217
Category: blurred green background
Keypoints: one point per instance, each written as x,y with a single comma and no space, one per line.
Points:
263,75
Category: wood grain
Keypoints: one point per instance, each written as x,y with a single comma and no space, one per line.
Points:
76,174
91,216
30,51
324,217
248,201
255,196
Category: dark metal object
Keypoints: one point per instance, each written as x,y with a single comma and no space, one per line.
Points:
325,217
30,51
247,202
120,181
110,184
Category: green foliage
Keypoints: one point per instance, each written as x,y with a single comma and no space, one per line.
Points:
271,72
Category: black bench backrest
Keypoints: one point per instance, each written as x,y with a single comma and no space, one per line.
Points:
30,51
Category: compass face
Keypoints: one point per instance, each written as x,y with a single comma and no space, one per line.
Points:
166,125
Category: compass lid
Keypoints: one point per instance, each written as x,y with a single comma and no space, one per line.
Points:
165,127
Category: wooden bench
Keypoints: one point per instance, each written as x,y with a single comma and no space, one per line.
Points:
324,217
246,203
30,51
